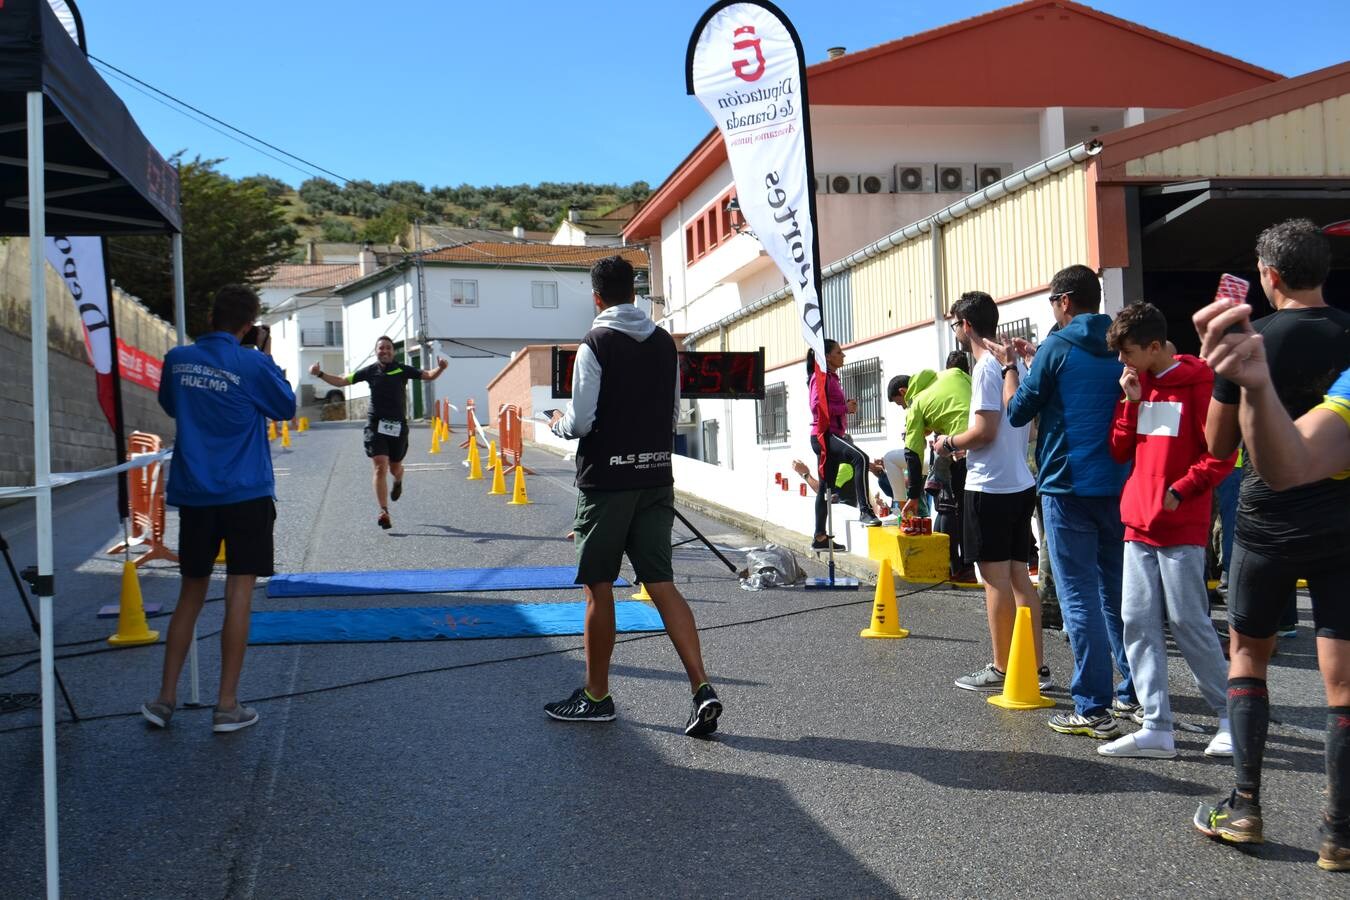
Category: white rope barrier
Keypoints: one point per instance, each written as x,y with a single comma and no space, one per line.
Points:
60,479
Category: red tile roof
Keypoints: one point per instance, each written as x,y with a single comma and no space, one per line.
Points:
311,275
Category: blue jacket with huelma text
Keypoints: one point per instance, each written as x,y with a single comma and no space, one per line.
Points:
1073,386
222,395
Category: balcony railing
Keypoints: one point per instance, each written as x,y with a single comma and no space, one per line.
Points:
320,337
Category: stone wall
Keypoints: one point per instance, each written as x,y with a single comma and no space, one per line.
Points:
80,435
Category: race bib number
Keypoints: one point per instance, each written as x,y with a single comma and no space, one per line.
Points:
391,427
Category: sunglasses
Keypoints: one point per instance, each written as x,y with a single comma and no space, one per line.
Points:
1054,298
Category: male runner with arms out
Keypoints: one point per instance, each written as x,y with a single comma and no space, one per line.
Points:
386,432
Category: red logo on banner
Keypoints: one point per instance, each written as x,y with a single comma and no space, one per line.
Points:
740,66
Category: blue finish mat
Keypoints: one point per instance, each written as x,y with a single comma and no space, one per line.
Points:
431,623
423,581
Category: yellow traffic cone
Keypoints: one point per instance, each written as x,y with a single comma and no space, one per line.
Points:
475,464
1021,687
131,627
271,431
518,495
435,438
285,435
498,480
642,592
304,424
220,556
493,461
885,615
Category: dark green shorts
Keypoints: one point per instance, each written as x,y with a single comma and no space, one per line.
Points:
612,523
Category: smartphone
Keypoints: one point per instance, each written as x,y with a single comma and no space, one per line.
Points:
548,414
1234,290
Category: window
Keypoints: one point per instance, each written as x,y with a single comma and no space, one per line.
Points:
771,415
862,382
463,292
332,334
709,230
544,294
375,305
390,300
1022,328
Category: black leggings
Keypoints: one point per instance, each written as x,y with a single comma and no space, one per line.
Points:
841,450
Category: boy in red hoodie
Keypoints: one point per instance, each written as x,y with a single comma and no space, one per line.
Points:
1160,426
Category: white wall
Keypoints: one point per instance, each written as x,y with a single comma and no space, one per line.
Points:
505,304
360,328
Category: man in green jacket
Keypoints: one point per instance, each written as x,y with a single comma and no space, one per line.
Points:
934,403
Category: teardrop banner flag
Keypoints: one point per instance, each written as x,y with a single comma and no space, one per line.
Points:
744,64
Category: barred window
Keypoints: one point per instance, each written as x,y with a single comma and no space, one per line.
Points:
771,415
1022,328
862,382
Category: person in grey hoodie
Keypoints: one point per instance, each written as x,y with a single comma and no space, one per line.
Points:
625,403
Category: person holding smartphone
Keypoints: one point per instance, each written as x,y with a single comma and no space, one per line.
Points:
386,432
220,393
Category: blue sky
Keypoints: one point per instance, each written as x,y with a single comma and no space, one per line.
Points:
518,91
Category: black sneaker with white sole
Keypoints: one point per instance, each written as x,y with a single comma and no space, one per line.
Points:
581,708
703,715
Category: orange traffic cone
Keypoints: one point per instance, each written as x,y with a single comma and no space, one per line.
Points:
475,464
885,615
131,627
1021,688
518,495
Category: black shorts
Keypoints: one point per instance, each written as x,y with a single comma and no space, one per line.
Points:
1260,588
246,529
383,444
637,522
997,527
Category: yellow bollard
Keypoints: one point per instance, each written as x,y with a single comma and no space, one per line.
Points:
475,464
131,626
518,495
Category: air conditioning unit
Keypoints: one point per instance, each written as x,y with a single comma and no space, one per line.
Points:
987,174
955,178
843,184
875,184
914,178
822,185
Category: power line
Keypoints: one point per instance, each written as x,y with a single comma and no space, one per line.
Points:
218,121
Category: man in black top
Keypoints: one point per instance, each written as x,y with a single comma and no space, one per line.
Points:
1283,535
386,432
625,403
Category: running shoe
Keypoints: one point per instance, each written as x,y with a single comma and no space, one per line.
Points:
397,491
1287,632
384,521
1123,710
704,712
1101,727
868,519
824,544
157,714
987,679
581,708
227,720
1334,854
1232,819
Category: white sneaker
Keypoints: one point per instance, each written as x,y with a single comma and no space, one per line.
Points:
1129,746
1222,744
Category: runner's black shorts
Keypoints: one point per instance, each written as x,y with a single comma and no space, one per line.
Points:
997,527
245,527
1260,588
383,444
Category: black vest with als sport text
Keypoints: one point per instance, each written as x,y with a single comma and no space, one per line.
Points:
629,445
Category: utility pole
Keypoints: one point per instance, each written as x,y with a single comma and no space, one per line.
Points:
427,361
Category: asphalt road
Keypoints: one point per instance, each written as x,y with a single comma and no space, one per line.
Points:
843,767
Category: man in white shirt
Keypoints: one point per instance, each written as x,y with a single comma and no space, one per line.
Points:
1000,495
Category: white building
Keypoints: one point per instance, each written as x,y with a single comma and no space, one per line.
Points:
306,321
483,302
577,229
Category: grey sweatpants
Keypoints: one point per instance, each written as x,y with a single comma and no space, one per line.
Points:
1171,579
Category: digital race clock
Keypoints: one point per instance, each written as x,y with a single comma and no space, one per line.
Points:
731,375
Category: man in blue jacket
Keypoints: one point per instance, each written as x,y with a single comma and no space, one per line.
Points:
221,390
1073,386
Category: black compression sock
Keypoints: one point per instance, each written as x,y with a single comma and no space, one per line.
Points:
1249,717
1338,770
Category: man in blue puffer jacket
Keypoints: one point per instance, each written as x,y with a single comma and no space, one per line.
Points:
1073,386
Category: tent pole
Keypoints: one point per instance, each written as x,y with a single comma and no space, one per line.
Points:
180,324
42,471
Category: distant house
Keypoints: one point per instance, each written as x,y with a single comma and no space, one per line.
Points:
348,252
579,229
481,302
306,321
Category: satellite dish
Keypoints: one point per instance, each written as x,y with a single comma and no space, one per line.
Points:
70,18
